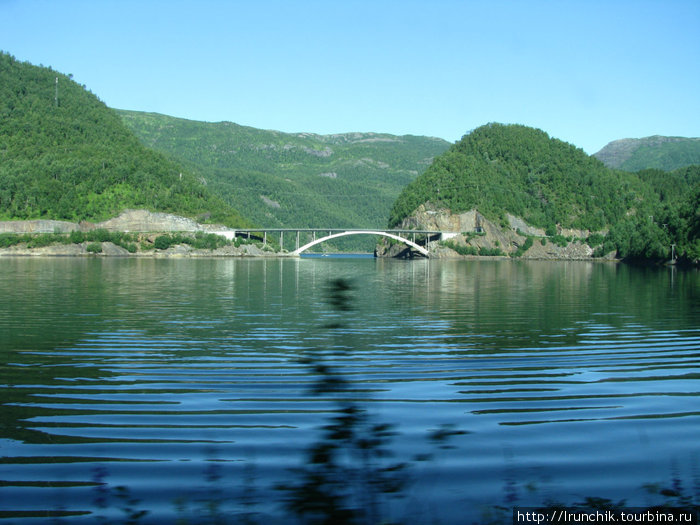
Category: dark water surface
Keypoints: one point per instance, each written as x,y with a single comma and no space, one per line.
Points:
181,381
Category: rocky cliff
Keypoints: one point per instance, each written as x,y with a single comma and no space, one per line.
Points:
474,234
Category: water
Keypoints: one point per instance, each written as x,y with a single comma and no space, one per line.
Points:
181,382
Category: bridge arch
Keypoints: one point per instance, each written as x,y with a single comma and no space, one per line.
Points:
412,244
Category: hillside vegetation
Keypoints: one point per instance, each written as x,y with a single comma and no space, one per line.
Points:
65,155
511,169
293,179
657,152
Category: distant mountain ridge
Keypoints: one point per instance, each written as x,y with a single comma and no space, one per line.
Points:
655,152
293,179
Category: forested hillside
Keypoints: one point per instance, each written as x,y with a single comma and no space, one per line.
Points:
65,155
510,168
662,153
499,169
293,179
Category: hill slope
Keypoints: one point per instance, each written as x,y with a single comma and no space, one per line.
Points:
293,179
500,169
511,170
663,153
65,155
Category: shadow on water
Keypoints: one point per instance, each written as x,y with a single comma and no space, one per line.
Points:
350,472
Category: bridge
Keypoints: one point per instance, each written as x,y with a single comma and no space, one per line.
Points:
411,238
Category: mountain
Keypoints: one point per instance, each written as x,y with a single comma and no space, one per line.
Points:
663,153
515,169
65,155
518,179
293,179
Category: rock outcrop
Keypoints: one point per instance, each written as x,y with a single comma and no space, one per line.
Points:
136,221
474,234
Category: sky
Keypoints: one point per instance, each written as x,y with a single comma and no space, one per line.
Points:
585,71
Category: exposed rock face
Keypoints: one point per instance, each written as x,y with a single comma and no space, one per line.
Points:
147,221
428,217
127,221
269,202
518,224
38,226
113,250
473,232
57,250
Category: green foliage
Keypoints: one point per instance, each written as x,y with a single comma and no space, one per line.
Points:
659,153
595,239
294,179
76,237
510,168
94,247
523,248
163,242
490,252
460,249
200,241
675,221
559,240
77,161
99,235
8,239
473,250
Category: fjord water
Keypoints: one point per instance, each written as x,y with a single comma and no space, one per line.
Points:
176,386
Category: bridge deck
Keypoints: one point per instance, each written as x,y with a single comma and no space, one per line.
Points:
332,230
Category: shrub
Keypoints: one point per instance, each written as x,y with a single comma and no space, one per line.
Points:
163,242
604,249
595,239
9,239
44,239
559,240
523,248
94,247
99,235
490,252
462,250
210,241
76,237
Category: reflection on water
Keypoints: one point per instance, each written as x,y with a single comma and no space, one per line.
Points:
181,380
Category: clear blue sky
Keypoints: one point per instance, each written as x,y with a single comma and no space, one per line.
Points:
585,71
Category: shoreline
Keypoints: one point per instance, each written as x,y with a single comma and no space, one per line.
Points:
111,250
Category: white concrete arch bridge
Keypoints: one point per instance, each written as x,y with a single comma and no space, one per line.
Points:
411,238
